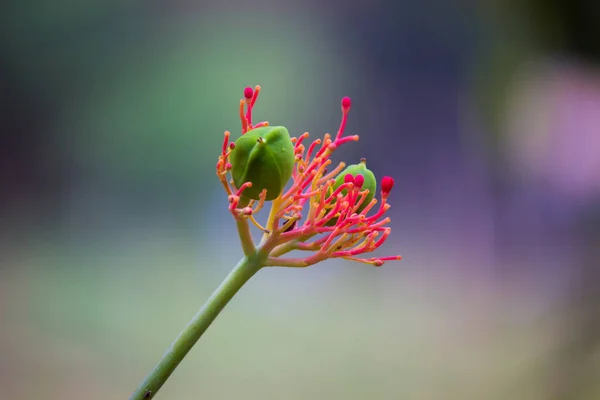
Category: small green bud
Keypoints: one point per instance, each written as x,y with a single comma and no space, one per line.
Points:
369,182
265,157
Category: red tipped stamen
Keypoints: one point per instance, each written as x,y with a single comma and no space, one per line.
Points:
346,103
248,93
301,139
243,118
343,186
349,178
311,148
250,103
255,96
225,141
242,188
260,124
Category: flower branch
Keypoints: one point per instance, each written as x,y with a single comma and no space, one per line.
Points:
325,213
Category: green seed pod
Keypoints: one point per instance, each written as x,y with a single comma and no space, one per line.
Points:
369,183
265,157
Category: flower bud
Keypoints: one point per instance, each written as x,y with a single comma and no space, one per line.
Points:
265,157
349,175
368,181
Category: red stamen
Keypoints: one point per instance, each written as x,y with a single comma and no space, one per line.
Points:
248,93
390,258
368,207
361,199
243,118
311,148
382,239
242,188
225,141
346,103
331,214
260,124
343,186
250,105
346,139
326,143
309,180
301,139
256,92
382,209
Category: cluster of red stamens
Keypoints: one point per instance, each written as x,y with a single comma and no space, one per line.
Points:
311,215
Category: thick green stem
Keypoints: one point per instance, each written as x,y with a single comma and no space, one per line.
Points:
242,272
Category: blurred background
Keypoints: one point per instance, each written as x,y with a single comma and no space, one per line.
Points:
114,229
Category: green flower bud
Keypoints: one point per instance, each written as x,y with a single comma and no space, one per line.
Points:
265,157
369,183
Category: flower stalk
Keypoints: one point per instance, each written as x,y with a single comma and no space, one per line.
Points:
325,213
241,273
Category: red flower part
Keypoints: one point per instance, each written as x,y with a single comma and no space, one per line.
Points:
250,96
346,103
242,188
387,183
314,216
359,180
248,93
343,186
226,142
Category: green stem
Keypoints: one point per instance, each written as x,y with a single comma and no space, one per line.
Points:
245,237
243,271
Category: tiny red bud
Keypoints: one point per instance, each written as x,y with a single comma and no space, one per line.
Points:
387,183
231,146
359,180
346,103
349,178
247,210
248,93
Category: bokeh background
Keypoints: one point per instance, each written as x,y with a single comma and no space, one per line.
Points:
114,229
